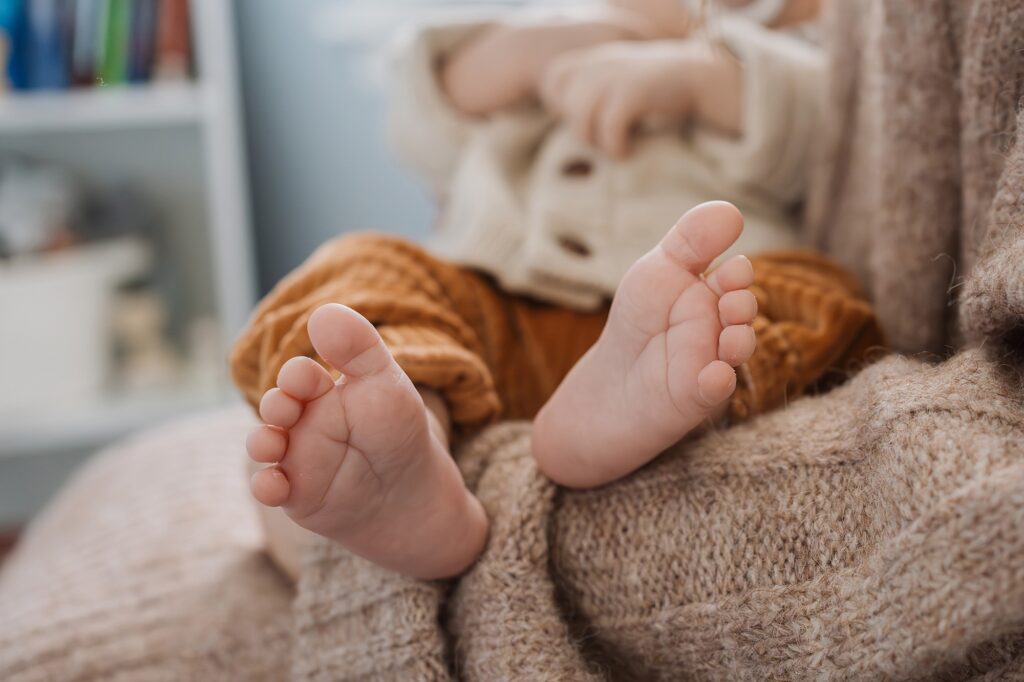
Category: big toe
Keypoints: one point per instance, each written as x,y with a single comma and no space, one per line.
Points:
347,340
703,234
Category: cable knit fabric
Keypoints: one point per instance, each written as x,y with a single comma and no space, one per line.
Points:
871,533
149,567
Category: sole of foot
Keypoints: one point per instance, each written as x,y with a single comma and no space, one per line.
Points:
665,361
355,460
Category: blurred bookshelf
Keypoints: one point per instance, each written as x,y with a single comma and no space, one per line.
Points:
179,140
91,110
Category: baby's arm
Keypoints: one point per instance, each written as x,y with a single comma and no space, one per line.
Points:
501,67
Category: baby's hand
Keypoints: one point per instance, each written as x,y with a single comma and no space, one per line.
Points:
605,92
502,66
671,18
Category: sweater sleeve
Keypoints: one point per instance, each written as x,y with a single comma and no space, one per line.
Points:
425,130
783,84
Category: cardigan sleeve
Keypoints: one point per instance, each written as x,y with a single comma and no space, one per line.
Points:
425,130
783,85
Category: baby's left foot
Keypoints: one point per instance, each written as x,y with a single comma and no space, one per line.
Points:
664,362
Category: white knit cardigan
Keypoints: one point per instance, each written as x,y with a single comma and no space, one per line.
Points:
525,201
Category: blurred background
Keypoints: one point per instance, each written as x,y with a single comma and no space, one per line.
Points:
162,164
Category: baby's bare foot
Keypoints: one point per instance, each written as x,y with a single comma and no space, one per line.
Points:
355,460
664,362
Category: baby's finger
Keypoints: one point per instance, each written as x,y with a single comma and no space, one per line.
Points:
583,102
615,124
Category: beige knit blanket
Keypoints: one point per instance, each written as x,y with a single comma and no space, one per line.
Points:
875,533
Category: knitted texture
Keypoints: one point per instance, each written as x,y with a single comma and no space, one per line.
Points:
493,354
813,327
914,185
872,533
449,328
149,567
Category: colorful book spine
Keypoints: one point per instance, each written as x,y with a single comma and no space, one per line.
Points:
112,63
57,44
174,41
47,63
142,49
84,40
14,26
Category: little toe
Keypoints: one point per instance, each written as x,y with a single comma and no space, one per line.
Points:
703,234
304,379
277,408
716,383
736,344
737,307
732,275
348,341
266,444
270,487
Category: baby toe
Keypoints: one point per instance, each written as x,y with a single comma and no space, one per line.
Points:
716,383
737,307
304,379
270,487
702,235
736,344
277,408
734,274
266,444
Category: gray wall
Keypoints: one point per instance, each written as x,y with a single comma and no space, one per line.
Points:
318,162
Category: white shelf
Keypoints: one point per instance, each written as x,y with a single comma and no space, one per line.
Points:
107,108
47,431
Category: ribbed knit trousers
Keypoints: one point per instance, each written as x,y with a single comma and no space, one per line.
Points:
494,355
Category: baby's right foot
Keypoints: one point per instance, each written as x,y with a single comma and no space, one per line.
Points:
356,460
664,362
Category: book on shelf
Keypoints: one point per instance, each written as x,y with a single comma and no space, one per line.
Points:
142,40
59,44
84,41
46,39
174,40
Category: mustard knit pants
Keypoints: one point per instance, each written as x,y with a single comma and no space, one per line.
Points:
495,355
